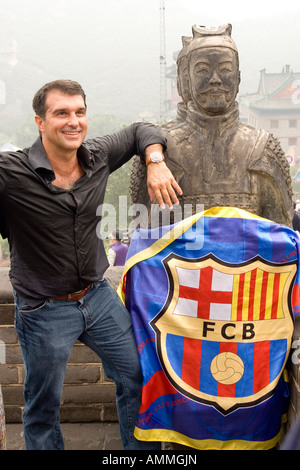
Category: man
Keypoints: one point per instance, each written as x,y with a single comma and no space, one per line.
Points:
218,160
49,195
117,251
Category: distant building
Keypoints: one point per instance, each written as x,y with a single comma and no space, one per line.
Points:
276,108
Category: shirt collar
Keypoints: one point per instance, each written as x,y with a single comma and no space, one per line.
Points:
37,157
39,161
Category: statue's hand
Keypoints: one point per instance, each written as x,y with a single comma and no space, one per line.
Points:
162,185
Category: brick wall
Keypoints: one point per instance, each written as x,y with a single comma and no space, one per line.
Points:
88,395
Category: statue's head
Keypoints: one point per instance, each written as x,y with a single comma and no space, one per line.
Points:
213,66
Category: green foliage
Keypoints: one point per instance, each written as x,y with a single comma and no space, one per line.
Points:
24,135
103,124
4,249
118,185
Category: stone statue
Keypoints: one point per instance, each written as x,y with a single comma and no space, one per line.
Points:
216,159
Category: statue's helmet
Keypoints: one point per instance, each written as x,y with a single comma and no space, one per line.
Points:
182,74
204,36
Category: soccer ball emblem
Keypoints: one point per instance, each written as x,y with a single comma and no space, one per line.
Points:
227,368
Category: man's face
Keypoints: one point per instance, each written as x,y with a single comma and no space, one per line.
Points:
65,124
214,79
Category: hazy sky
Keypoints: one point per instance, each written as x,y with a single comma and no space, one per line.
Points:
112,46
181,15
237,10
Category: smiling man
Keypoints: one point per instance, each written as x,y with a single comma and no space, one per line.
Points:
49,195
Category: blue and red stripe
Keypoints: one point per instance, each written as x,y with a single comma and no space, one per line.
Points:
191,358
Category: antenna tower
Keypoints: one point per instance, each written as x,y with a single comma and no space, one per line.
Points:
163,80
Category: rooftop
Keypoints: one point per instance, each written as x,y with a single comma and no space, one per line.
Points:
276,91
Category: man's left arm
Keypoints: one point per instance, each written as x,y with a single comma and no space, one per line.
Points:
141,139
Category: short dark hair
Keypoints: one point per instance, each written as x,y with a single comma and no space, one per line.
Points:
67,87
116,234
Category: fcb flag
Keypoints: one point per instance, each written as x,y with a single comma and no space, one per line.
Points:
213,300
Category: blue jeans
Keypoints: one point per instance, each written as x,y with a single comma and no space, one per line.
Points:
47,335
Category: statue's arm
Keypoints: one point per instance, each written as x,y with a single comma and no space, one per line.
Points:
275,186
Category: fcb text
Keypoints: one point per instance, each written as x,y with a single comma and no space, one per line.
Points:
229,331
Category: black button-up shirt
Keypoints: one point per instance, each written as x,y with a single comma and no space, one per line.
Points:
52,235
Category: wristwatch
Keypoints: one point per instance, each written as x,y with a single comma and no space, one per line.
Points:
155,157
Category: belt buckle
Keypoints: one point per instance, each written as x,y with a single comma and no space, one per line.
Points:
76,294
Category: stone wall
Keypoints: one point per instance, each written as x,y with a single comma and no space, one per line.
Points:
88,395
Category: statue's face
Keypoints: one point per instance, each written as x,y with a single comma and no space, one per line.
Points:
214,79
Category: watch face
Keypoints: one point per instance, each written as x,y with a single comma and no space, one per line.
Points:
156,157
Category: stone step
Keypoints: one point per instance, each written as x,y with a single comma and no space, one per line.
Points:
7,314
86,387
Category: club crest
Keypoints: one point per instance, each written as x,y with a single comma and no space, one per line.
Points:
224,333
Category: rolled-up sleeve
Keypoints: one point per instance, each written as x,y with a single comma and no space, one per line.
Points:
132,140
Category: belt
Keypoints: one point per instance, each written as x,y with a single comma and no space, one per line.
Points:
75,296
